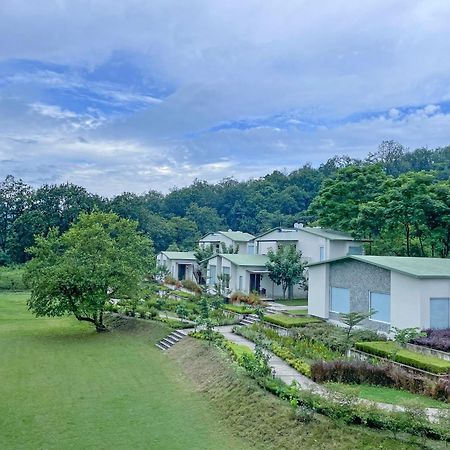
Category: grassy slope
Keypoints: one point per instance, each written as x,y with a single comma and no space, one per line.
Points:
263,419
387,395
65,387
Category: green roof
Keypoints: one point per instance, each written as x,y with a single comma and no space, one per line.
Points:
237,236
333,235
180,255
407,265
246,260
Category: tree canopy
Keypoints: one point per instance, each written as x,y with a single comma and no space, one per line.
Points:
99,258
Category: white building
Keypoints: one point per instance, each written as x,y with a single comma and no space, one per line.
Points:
404,291
248,272
234,239
181,265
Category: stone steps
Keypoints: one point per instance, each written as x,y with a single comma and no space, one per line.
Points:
171,339
249,320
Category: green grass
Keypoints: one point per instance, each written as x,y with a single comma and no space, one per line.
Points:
63,386
294,302
11,278
240,309
297,312
404,356
289,322
239,350
387,395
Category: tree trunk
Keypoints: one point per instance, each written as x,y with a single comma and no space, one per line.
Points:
407,240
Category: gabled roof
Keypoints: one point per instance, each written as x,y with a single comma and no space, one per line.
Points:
333,235
407,265
243,260
237,236
180,255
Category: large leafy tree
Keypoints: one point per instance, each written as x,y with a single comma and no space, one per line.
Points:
98,258
286,267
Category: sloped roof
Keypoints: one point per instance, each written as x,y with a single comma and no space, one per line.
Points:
237,236
333,235
180,255
246,260
407,265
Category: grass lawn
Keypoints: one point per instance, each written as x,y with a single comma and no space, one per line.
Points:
294,302
297,312
63,386
387,395
289,322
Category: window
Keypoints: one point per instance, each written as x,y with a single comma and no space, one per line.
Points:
226,276
241,283
381,303
439,313
251,248
212,275
322,253
340,300
355,250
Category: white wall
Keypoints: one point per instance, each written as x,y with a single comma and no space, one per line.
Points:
319,291
431,288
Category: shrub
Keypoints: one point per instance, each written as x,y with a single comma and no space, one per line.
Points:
191,286
240,309
153,313
408,357
289,322
250,299
169,279
437,339
297,363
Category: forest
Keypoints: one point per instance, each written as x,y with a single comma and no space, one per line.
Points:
398,199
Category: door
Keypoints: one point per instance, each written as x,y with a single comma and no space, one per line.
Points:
255,282
439,313
181,272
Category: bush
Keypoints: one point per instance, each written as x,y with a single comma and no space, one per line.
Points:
191,286
240,309
290,322
407,357
437,339
169,279
250,299
297,363
153,313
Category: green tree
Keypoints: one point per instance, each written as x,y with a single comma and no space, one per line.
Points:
99,258
286,267
352,319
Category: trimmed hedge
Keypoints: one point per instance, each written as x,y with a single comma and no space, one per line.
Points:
240,309
290,322
404,356
297,363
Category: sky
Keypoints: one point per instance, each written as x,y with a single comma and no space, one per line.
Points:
133,95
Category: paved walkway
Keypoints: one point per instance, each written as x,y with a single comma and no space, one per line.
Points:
280,307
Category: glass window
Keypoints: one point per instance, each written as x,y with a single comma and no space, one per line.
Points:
439,313
212,274
381,303
355,250
322,253
251,248
226,272
340,300
241,283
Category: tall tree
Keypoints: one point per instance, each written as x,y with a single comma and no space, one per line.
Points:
286,267
99,258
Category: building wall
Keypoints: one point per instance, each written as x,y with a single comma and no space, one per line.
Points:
361,279
319,291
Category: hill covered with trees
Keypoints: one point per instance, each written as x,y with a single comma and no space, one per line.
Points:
399,199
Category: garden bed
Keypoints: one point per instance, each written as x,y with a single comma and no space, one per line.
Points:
239,309
286,321
435,339
404,356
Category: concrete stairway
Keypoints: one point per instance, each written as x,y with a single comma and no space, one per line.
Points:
171,339
249,320
271,310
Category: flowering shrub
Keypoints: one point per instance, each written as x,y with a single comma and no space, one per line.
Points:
437,339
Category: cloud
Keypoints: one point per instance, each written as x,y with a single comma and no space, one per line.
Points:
135,95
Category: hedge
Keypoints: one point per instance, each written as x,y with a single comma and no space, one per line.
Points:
290,322
240,309
404,356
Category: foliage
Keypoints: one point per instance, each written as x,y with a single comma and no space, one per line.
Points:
191,286
256,364
408,357
251,299
437,339
352,319
11,278
169,279
182,311
285,321
240,309
286,267
362,372
99,258
404,335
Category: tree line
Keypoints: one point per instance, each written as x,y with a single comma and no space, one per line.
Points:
399,199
